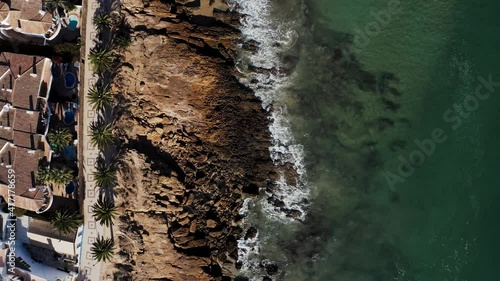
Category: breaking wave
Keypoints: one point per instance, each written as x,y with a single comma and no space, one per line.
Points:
262,71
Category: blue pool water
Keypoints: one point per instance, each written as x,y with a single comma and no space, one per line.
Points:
69,117
70,188
70,153
73,22
69,80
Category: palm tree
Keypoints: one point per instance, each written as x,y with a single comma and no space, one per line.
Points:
101,134
122,40
60,138
60,176
66,221
104,211
103,249
102,21
44,174
101,59
121,37
104,175
100,97
55,176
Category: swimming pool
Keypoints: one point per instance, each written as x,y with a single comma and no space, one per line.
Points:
70,188
73,22
69,80
69,117
70,153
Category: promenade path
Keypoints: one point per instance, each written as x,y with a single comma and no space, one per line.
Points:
89,268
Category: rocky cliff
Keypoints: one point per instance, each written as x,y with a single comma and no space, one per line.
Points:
193,139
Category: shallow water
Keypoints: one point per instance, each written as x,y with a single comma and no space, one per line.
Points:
377,84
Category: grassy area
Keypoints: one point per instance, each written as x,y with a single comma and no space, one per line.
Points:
70,51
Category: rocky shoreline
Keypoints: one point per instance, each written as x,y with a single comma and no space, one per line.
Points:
194,142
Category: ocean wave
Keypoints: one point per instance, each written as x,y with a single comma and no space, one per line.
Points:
274,36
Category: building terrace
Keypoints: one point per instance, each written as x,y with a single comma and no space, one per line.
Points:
24,115
24,20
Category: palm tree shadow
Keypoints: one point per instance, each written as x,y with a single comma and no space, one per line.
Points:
107,191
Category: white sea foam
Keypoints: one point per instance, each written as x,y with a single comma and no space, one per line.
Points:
273,36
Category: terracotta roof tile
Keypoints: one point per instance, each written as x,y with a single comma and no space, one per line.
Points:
25,165
20,146
25,91
16,4
19,64
28,10
26,121
27,140
31,9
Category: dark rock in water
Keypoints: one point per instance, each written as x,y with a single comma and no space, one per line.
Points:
271,267
266,278
390,105
337,54
289,63
395,92
251,233
251,46
295,214
384,80
384,123
366,81
251,189
241,278
292,213
276,202
398,145
238,266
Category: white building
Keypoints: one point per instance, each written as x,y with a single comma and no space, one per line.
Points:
40,252
27,20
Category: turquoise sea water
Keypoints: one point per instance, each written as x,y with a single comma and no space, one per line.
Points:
375,82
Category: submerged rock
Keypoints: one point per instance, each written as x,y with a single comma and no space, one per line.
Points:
270,267
251,233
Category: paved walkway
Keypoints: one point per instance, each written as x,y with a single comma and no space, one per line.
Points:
89,268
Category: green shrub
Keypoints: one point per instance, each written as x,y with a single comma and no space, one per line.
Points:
122,40
70,51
